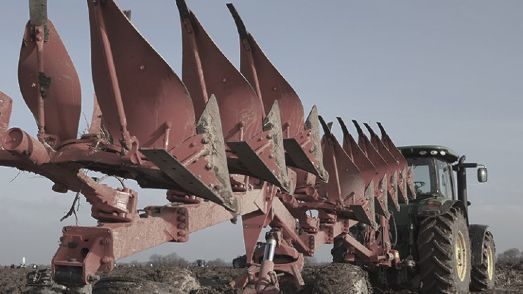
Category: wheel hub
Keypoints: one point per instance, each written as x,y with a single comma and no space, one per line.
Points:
461,256
490,263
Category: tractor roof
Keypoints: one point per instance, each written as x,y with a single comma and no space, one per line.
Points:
441,152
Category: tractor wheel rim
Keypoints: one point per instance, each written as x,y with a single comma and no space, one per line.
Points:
490,263
461,257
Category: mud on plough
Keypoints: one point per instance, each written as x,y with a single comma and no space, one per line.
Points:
223,144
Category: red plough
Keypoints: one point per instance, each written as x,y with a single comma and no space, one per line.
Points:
222,143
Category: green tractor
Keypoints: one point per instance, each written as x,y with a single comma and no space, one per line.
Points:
441,251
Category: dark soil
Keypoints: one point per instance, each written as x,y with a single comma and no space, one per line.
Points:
12,280
321,279
336,278
509,278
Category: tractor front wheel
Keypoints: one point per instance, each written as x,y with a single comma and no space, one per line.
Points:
444,253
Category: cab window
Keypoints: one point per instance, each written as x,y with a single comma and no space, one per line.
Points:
424,175
444,179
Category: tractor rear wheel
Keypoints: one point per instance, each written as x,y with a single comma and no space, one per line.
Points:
444,253
483,274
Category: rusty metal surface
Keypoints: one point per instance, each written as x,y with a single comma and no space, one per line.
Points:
345,180
351,147
149,89
6,105
96,125
82,252
255,139
207,71
406,184
270,87
263,156
304,150
267,81
188,181
20,143
381,177
237,147
391,166
112,241
56,80
202,172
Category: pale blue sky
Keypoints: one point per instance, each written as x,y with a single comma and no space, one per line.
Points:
434,72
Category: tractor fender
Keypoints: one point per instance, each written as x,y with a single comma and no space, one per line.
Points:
457,204
477,236
442,207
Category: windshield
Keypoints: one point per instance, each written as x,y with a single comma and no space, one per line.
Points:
423,170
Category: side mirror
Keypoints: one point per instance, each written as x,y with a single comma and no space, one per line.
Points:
482,174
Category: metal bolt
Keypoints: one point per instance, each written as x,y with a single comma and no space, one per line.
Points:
142,67
181,226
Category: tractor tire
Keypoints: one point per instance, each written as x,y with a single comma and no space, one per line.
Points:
444,261
483,275
339,250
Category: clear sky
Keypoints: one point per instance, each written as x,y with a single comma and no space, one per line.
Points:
434,72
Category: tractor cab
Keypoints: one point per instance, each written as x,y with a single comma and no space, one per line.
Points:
433,167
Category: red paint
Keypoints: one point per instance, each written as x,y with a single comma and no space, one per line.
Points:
238,140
